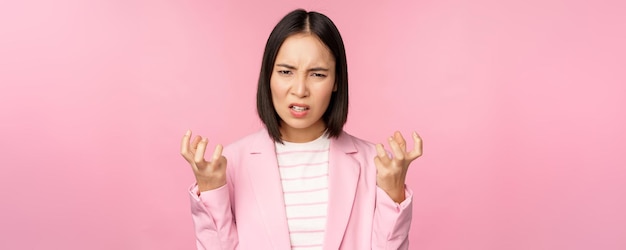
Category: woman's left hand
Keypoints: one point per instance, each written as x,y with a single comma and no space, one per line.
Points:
392,170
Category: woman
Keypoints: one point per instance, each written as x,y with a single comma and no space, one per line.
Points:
302,182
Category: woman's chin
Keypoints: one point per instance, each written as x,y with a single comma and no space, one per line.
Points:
300,124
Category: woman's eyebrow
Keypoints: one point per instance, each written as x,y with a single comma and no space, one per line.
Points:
293,67
285,65
318,69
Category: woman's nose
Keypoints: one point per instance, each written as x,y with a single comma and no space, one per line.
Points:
299,88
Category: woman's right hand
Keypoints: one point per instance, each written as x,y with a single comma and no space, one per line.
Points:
209,174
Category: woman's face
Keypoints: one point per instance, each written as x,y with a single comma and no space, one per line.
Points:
302,83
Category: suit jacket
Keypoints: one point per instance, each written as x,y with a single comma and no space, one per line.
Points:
249,211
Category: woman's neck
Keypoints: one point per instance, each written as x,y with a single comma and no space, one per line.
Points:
300,135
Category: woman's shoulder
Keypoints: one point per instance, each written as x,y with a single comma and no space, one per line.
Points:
260,139
358,142
254,138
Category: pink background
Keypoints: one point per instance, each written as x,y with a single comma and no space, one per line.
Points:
521,106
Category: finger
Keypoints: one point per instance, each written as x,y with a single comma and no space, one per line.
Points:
397,136
398,153
184,145
199,155
417,148
194,143
382,154
217,153
378,162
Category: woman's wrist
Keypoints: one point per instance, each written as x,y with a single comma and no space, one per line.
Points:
206,186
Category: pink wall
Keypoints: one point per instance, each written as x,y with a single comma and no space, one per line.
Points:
521,106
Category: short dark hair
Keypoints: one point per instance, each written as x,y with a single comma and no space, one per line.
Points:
301,21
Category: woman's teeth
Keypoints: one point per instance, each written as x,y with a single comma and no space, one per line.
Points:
296,108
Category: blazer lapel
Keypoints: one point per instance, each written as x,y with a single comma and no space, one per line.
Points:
268,190
343,176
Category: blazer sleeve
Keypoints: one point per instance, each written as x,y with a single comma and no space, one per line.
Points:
392,221
213,219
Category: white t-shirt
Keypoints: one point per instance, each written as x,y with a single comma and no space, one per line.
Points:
304,175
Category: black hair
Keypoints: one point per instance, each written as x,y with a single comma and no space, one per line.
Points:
301,21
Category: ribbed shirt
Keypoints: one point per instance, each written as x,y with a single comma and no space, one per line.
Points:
304,175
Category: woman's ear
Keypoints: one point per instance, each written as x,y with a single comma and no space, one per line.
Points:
335,88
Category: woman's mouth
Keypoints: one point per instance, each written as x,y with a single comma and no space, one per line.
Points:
299,108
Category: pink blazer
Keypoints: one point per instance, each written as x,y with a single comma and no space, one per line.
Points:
249,212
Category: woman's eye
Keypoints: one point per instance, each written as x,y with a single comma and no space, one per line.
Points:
284,72
318,75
